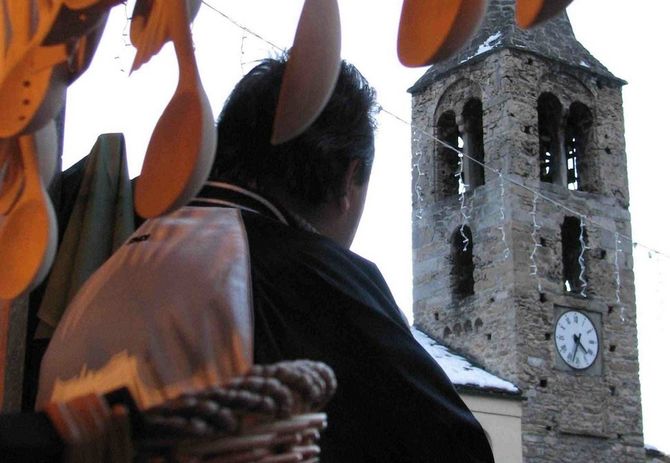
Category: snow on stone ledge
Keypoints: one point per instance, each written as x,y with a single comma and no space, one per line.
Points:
459,370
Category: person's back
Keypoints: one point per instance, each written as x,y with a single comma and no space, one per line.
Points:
313,298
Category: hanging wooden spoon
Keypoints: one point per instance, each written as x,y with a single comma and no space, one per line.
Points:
28,233
148,28
433,30
311,71
529,13
181,149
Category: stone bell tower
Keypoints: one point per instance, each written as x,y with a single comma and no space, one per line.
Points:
527,273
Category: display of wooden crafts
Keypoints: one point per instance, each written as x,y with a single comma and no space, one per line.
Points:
181,149
311,71
44,46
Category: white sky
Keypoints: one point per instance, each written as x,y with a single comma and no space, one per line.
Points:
629,40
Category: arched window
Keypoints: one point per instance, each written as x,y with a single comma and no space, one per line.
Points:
552,160
448,182
473,146
462,273
572,248
577,131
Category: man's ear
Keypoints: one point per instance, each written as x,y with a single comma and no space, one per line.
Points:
349,181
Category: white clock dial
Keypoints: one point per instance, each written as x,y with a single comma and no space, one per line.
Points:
576,339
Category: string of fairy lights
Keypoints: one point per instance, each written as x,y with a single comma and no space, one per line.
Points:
584,219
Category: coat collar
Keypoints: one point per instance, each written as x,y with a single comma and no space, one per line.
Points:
220,194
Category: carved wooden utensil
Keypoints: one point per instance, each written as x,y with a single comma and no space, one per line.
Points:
532,12
181,149
28,233
433,30
311,72
34,78
149,28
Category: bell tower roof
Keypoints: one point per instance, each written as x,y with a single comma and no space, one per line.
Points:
553,39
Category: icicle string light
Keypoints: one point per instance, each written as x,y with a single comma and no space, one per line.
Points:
243,39
244,28
417,188
617,274
456,150
527,188
462,187
582,250
506,251
536,244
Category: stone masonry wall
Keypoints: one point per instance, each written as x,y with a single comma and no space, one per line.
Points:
507,324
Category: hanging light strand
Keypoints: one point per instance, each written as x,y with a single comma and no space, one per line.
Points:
617,275
243,39
418,189
536,244
512,181
456,150
241,26
582,261
462,187
506,250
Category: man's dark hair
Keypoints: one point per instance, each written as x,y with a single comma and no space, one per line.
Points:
310,167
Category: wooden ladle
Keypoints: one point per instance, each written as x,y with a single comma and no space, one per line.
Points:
28,233
311,71
181,149
433,30
529,13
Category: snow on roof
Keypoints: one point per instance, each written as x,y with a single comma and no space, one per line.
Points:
459,370
489,44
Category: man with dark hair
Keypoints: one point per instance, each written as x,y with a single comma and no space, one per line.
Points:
313,298
275,222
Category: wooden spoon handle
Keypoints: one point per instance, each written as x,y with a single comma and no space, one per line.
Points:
180,33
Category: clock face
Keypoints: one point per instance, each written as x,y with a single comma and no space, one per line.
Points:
576,339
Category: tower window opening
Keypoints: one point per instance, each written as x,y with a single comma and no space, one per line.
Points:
549,111
577,130
449,182
572,249
473,166
462,275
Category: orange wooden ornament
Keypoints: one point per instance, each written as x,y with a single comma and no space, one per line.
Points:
181,149
28,232
433,30
532,12
311,71
149,27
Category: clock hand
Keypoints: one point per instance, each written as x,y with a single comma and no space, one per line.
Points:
579,341
575,338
